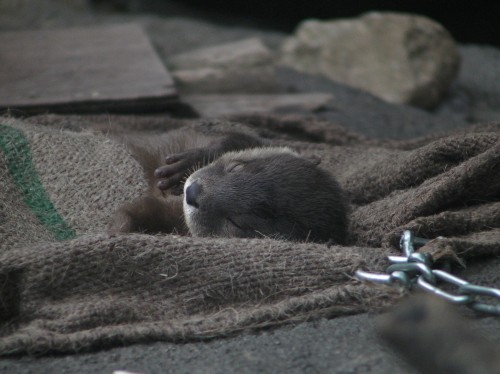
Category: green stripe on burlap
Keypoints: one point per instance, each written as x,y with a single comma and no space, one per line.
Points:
17,153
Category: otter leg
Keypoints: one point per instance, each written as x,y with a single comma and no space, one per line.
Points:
180,165
149,214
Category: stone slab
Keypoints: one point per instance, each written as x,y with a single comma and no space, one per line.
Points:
214,105
110,68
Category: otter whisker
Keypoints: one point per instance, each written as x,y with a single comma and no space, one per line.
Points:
307,237
262,235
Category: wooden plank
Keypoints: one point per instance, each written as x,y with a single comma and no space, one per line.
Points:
224,105
92,69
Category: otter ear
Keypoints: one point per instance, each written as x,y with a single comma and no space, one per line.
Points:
314,159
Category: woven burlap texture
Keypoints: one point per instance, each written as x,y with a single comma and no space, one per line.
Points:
98,291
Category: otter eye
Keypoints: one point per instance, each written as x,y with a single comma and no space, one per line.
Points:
234,167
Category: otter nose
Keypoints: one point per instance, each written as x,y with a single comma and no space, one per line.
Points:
192,193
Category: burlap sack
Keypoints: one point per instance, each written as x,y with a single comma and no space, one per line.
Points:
66,295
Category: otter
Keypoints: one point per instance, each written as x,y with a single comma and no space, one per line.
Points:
232,184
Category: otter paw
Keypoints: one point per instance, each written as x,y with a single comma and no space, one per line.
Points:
178,167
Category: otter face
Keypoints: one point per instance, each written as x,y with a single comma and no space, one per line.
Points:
270,192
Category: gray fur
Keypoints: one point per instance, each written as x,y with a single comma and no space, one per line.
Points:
266,192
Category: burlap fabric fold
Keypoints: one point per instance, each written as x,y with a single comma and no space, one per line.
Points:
67,286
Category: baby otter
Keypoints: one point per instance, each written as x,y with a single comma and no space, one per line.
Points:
241,188
270,192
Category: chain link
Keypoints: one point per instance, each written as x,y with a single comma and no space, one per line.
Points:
415,269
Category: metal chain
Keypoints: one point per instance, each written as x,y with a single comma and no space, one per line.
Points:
414,269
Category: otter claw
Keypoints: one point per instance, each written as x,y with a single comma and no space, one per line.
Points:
171,159
158,173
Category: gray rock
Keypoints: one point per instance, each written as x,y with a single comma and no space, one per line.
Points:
479,79
226,105
475,94
365,113
428,327
405,59
213,80
244,66
456,105
243,53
